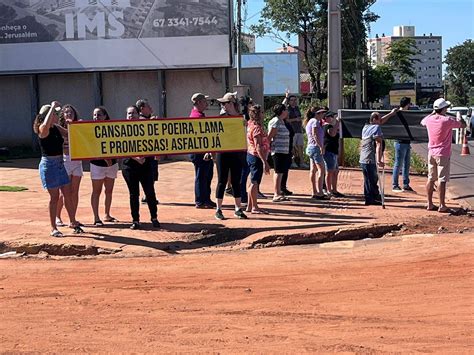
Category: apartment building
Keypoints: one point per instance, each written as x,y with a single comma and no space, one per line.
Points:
428,68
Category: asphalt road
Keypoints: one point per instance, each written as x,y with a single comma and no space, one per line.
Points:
460,186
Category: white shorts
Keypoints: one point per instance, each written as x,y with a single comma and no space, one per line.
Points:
102,172
73,168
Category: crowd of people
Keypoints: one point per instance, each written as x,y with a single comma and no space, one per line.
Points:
238,173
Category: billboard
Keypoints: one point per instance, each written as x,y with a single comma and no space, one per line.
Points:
396,96
86,35
280,71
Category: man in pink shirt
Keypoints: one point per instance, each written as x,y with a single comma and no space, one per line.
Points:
440,135
203,163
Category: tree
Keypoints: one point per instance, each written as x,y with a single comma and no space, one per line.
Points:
460,72
379,81
401,58
308,20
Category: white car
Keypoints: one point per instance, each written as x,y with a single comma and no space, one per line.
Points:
461,109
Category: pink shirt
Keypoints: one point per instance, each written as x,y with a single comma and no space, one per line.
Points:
440,134
195,113
253,131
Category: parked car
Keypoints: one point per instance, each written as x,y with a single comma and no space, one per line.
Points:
463,110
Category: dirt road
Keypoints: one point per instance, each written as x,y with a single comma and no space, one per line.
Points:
391,295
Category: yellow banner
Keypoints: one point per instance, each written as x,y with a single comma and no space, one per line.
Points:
396,96
119,139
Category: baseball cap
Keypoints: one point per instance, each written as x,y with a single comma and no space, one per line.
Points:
440,104
198,96
141,103
45,109
330,114
228,97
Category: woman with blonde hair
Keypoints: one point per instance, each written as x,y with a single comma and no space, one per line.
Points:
52,172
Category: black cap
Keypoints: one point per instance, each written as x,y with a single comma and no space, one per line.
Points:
330,114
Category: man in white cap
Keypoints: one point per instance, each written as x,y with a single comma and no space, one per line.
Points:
203,163
440,135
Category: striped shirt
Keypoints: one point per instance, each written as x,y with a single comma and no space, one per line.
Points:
281,141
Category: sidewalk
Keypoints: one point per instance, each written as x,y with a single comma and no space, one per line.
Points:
24,215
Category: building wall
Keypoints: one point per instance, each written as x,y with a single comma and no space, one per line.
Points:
252,77
116,90
122,89
182,84
76,89
15,111
429,70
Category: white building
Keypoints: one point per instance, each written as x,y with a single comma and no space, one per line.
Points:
429,67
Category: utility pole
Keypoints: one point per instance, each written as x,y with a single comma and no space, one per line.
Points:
241,89
239,34
335,64
334,56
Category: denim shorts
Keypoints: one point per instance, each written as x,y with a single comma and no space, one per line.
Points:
314,152
52,172
331,161
256,168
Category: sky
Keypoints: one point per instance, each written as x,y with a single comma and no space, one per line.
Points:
451,19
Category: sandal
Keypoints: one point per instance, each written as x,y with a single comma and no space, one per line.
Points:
78,230
320,197
98,223
55,233
111,219
432,208
445,210
60,223
280,199
259,211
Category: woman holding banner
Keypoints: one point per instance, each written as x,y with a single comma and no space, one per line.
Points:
229,162
74,170
52,172
136,171
103,174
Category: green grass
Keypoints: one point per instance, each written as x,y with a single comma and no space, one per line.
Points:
13,188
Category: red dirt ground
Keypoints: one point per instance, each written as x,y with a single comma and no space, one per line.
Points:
411,294
190,287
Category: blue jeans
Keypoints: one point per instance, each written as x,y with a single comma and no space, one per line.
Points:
243,180
204,170
402,161
371,189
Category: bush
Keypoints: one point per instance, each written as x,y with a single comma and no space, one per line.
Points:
351,152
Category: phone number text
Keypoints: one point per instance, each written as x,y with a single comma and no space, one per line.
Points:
184,21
